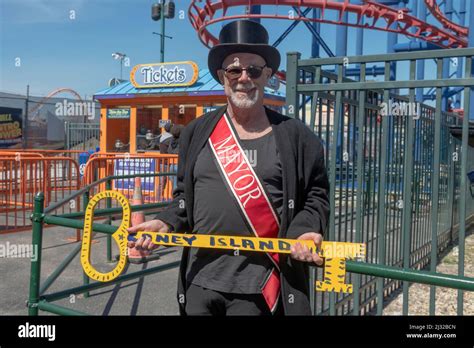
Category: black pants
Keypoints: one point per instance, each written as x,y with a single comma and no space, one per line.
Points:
202,301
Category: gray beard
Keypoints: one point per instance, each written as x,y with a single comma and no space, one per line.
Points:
244,103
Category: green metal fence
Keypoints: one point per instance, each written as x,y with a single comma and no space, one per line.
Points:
398,176
39,299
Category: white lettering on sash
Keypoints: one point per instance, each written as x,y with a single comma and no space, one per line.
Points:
243,177
249,194
236,182
221,148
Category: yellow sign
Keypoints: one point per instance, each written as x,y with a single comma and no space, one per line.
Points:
173,74
334,253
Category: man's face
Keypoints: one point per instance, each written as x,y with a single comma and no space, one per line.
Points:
244,91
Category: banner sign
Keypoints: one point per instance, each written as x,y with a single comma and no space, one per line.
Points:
175,74
118,113
132,166
11,130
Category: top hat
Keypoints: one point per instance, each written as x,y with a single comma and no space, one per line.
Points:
242,36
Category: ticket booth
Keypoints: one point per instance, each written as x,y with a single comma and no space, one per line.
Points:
134,113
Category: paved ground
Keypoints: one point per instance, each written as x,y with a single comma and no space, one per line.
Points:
446,299
152,295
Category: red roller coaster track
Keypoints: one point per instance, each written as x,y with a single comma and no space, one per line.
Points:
34,111
369,15
447,24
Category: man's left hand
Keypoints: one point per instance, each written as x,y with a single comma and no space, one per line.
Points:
301,252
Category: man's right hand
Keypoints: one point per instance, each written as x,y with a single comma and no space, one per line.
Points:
148,226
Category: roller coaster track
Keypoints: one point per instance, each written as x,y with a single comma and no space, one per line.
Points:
447,24
35,110
370,15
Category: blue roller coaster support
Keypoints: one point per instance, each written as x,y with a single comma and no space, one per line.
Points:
359,36
369,71
316,35
341,51
420,64
459,70
317,28
289,29
420,75
448,11
256,9
414,46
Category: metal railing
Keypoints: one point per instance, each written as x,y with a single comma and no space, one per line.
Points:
398,180
82,135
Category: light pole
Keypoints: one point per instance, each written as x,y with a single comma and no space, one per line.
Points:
160,11
121,57
162,50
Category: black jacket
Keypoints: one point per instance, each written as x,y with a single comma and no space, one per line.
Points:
305,188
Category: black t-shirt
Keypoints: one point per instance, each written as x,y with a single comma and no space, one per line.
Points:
217,212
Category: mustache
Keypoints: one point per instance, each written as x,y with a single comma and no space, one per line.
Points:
245,87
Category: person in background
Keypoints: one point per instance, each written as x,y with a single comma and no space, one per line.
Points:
166,138
173,147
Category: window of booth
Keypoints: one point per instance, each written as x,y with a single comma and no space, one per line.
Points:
148,128
118,129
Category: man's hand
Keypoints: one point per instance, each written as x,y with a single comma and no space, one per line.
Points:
301,252
149,226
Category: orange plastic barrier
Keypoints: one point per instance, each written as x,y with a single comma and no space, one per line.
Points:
23,176
154,189
73,154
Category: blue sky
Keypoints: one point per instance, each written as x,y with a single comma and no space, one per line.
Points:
57,51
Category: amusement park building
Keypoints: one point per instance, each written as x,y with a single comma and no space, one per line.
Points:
144,108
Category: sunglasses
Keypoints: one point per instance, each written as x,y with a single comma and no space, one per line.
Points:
234,72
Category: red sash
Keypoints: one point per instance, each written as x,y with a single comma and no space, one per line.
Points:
250,195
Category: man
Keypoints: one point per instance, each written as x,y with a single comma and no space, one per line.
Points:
246,170
166,138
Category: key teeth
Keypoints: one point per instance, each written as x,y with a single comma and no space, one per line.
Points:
340,288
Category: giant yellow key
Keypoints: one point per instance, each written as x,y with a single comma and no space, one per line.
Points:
334,253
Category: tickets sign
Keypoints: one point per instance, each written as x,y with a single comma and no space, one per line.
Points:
176,74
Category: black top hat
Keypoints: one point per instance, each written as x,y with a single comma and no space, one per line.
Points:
242,36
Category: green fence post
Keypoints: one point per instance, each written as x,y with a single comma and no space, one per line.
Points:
381,196
85,202
292,80
37,241
407,213
435,187
360,211
463,185
108,186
